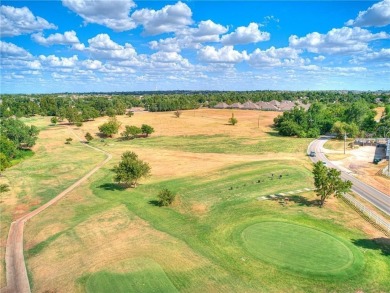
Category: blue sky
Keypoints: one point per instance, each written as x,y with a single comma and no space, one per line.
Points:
127,45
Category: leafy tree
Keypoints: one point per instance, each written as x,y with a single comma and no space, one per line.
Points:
54,120
110,112
131,132
328,182
73,115
147,129
130,169
88,137
166,197
68,140
4,162
232,120
20,134
340,128
7,147
4,188
110,128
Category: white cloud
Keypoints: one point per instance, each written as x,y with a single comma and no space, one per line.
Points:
225,54
103,47
382,55
246,35
112,14
18,21
54,61
68,38
9,50
170,18
275,57
377,15
92,64
206,31
319,58
343,40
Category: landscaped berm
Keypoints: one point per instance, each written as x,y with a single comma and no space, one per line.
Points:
216,236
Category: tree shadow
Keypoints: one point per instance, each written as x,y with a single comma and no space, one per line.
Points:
302,201
273,133
112,187
382,244
154,203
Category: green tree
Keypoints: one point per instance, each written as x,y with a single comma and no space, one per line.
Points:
165,197
68,140
54,120
232,120
4,162
147,129
21,135
7,147
88,137
131,132
4,188
328,182
130,169
110,128
340,128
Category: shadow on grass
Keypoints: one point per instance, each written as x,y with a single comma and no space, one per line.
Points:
112,187
382,244
303,201
154,203
274,133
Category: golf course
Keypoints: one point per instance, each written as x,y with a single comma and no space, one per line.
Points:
218,235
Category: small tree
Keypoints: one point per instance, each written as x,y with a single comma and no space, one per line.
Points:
130,169
4,162
68,140
147,129
328,182
177,113
233,120
166,197
54,120
131,132
88,137
110,128
130,113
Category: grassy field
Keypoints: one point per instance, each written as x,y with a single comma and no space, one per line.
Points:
101,235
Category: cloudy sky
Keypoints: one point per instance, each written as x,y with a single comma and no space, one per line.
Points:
126,45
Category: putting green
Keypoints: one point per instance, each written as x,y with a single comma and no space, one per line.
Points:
299,248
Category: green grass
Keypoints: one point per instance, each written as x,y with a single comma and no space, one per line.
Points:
302,249
225,144
148,277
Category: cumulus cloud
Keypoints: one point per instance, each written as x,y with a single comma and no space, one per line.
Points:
9,50
275,57
68,38
246,35
103,47
112,14
343,40
206,31
170,18
92,64
383,55
225,54
319,58
18,21
377,15
54,61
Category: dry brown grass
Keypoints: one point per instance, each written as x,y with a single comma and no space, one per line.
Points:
379,113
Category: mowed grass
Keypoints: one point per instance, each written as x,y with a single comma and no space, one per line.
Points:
302,249
147,276
197,242
337,144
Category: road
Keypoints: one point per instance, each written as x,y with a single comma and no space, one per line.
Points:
369,193
16,273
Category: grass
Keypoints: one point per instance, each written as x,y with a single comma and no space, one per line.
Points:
337,144
100,234
148,276
302,249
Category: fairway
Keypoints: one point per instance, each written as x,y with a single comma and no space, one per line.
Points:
147,277
299,248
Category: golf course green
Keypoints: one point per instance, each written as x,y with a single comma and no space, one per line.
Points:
300,249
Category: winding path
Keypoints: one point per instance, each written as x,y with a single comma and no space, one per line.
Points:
16,272
367,192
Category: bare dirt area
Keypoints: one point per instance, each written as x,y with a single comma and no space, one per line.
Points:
360,162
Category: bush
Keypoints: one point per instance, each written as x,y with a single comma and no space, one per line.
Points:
166,197
233,120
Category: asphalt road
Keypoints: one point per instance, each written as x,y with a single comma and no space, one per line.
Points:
369,193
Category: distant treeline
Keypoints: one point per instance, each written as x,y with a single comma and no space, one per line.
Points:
89,106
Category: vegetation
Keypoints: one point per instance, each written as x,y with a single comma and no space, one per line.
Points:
68,140
130,169
232,120
110,128
147,129
177,113
4,188
328,182
131,132
54,120
88,137
165,197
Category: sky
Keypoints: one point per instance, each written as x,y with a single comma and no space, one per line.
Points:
129,45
